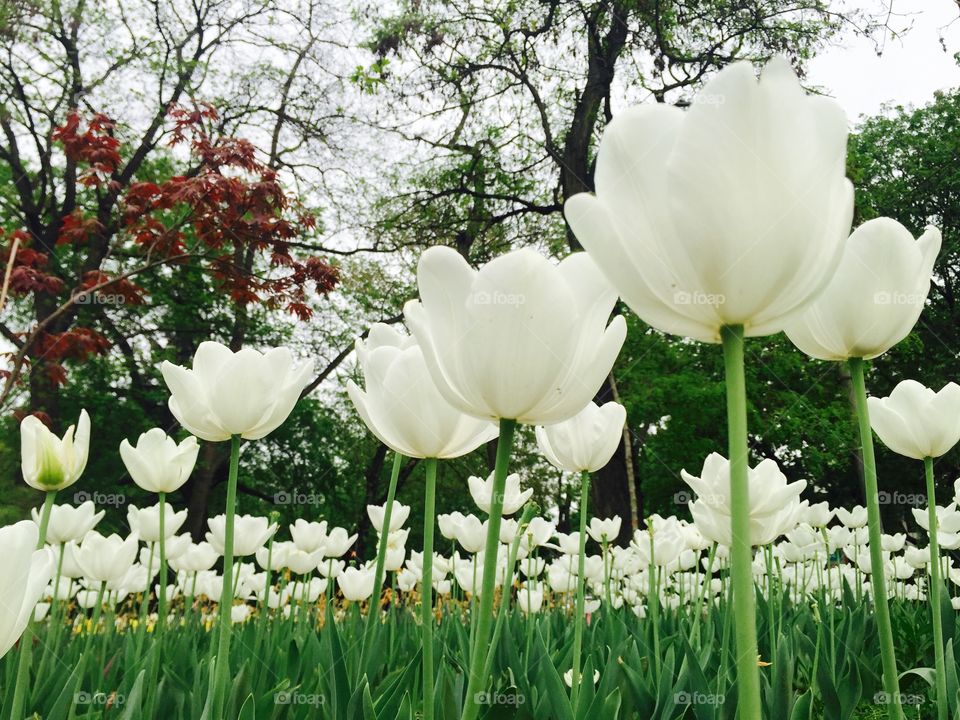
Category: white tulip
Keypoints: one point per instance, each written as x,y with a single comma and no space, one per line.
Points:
403,407
724,214
855,517
520,339
356,584
916,421
398,515
774,503
145,522
338,542
26,572
250,533
51,463
195,558
157,463
874,298
604,530
585,442
513,497
106,559
68,522
309,536
227,393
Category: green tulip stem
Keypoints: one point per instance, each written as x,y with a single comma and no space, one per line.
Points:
45,518
373,615
529,511
934,591
26,641
890,681
741,555
162,595
222,668
581,562
481,638
426,586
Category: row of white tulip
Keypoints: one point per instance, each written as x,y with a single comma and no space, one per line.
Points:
725,221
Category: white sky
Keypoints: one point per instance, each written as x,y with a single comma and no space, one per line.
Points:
910,68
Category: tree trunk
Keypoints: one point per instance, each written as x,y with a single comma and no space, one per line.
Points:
209,471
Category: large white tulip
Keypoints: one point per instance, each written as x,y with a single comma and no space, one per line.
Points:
732,212
585,442
916,421
51,463
875,297
521,339
26,572
157,463
402,406
228,393
775,506
68,522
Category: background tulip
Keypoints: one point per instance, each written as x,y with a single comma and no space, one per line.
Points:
398,516
775,504
402,406
356,584
585,442
916,421
252,533
226,393
513,498
157,463
51,463
145,522
875,297
109,558
68,522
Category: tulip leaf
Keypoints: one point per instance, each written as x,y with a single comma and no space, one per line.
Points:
131,705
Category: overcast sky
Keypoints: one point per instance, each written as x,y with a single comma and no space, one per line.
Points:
908,71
